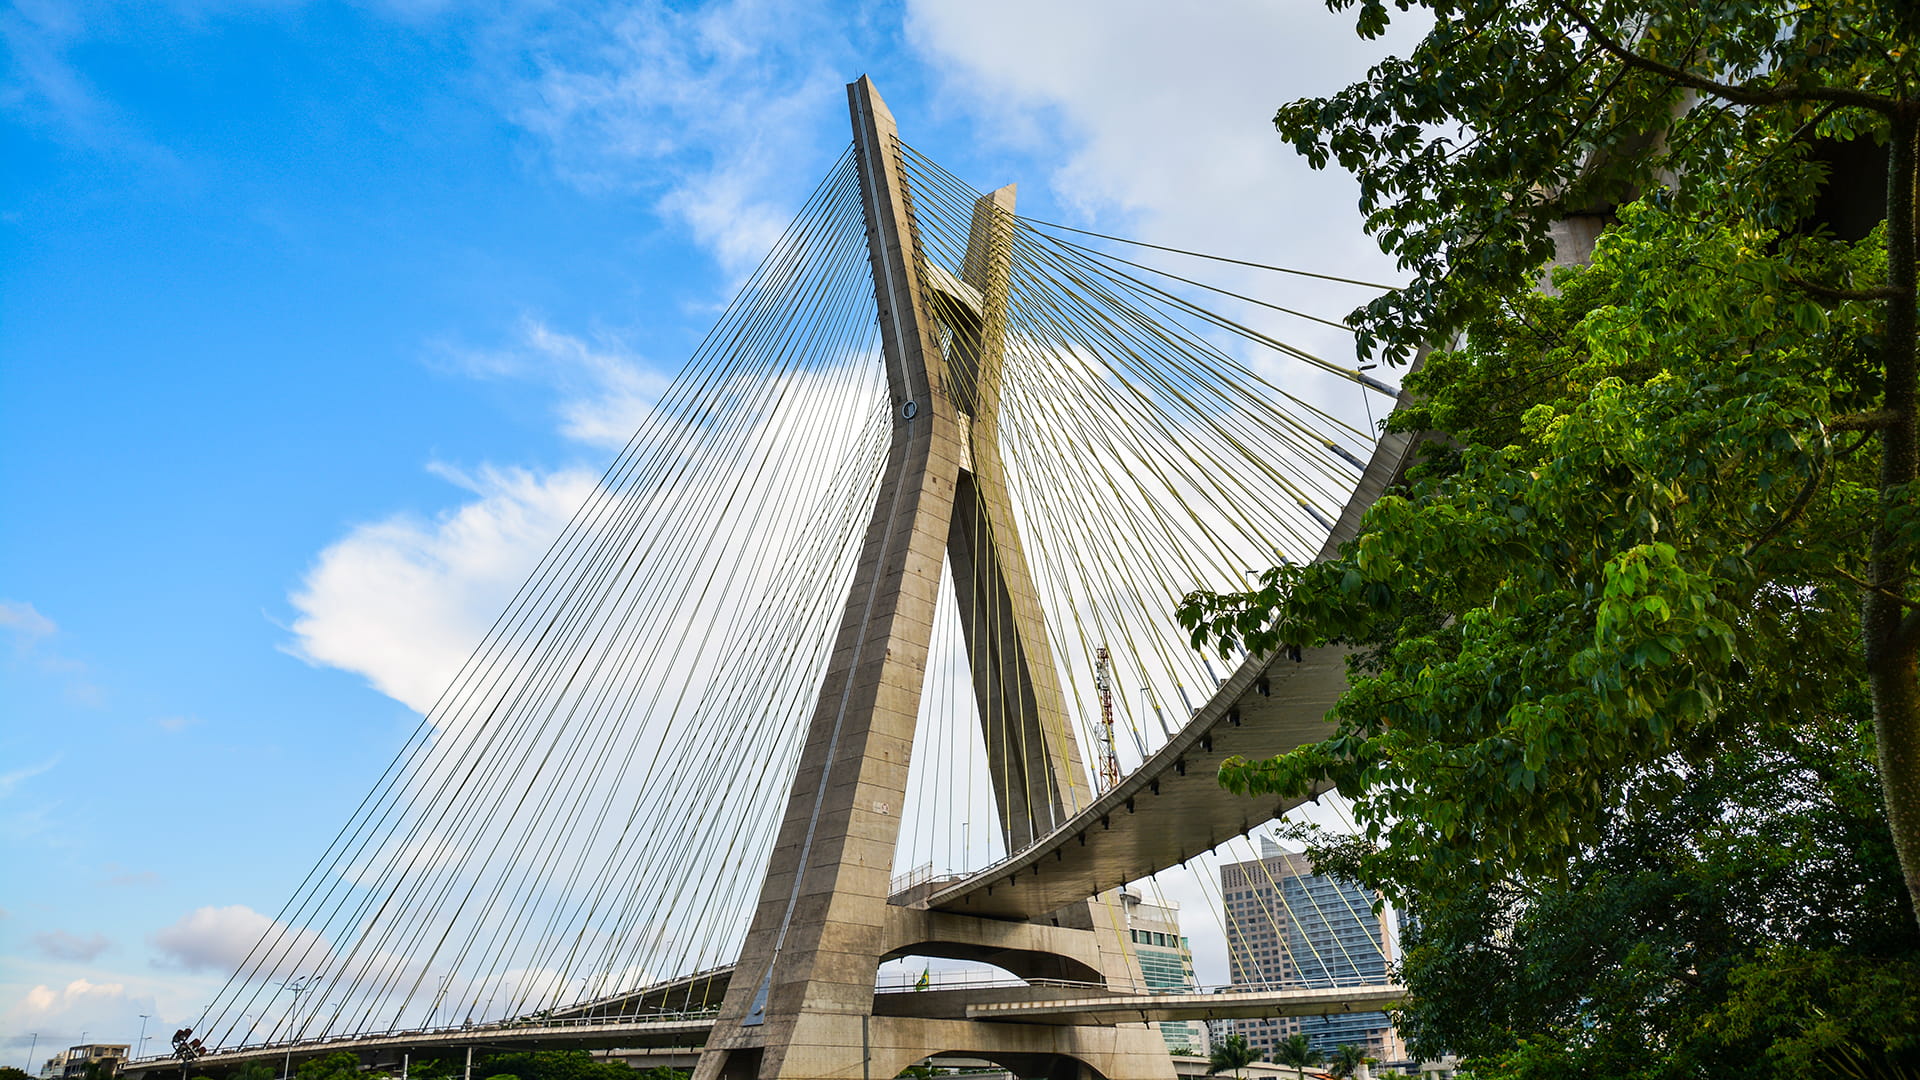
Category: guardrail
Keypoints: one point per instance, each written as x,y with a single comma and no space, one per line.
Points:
516,1024
972,980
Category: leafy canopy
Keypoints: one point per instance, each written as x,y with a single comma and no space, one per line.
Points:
1630,535
1231,1055
1689,479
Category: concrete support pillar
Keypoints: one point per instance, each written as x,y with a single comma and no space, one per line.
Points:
800,1003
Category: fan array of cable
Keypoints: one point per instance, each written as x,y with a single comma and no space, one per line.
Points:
591,803
589,807
1149,446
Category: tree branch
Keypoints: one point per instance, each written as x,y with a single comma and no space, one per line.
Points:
1740,95
1794,511
1884,292
1877,420
1888,593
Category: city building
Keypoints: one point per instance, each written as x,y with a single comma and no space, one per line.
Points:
1166,959
1289,927
71,1063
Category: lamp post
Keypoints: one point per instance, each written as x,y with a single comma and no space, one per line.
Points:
298,984
31,1047
142,1040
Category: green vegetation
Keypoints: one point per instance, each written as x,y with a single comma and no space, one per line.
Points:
1634,730
254,1070
1231,1055
517,1065
336,1066
1347,1059
536,1065
1297,1051
1733,432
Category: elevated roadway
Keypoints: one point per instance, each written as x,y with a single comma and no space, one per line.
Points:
606,1033
1172,807
1095,1008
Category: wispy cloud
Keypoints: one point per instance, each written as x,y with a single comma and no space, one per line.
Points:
31,634
712,109
605,389
11,780
42,87
119,877
25,623
60,945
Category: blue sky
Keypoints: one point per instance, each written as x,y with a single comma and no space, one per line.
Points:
316,319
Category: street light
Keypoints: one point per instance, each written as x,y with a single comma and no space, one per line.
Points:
142,1040
298,984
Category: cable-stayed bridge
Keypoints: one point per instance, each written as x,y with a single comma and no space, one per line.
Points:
885,581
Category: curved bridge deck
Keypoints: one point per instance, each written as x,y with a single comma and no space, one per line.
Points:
1173,807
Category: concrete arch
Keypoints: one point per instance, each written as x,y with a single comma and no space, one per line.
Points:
1027,965
1124,1052
1028,951
1025,1065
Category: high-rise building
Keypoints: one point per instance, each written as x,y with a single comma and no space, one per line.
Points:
1289,927
1166,959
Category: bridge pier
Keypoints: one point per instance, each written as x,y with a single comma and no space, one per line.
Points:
801,1001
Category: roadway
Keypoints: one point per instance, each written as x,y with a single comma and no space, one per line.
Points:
1173,807
598,1033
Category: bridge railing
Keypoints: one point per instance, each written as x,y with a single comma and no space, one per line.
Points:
983,980
517,1024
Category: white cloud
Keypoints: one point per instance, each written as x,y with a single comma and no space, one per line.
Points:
59,1015
402,601
605,390
711,108
1159,120
60,945
220,939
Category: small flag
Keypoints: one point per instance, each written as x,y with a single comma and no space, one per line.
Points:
926,978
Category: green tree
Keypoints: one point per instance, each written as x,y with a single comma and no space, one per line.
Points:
1730,894
554,1065
341,1065
1748,924
1710,492
1231,1054
1297,1050
254,1070
8,1072
1347,1059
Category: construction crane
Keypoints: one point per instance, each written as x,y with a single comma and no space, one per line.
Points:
1109,754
